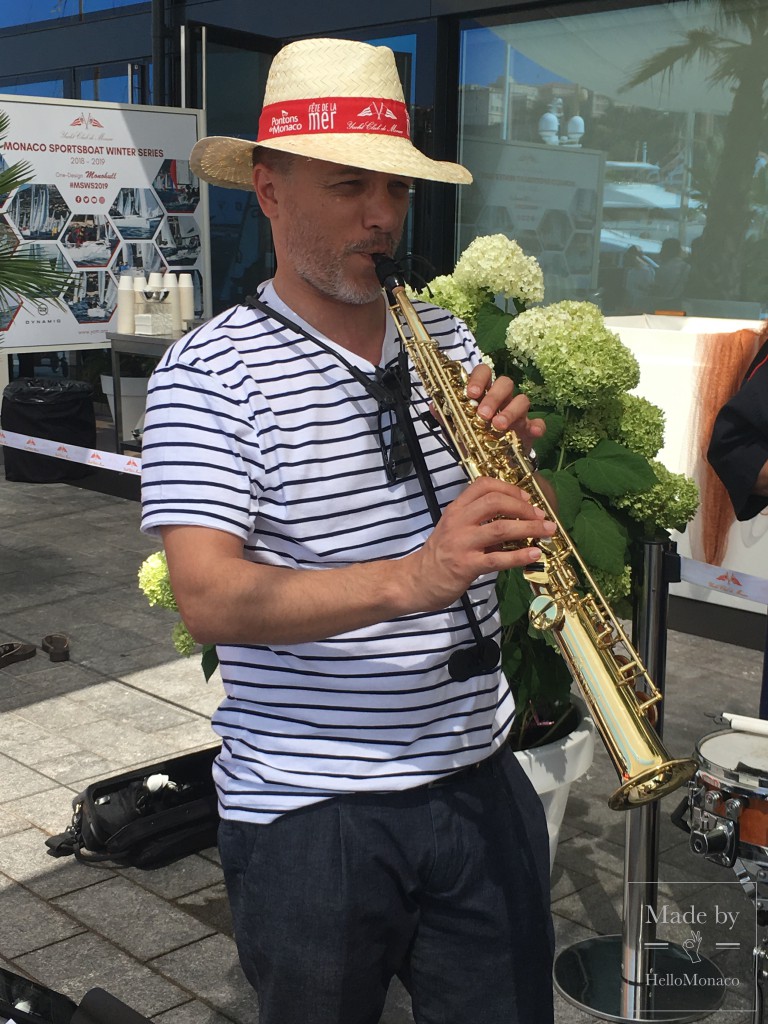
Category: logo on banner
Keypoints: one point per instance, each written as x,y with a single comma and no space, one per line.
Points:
132,466
728,583
730,578
61,452
86,121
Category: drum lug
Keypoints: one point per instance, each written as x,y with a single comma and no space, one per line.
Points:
713,837
711,798
734,806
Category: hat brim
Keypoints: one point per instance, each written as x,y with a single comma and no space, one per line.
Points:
227,162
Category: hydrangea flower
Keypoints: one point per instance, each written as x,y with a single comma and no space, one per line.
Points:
155,583
497,264
580,360
613,588
583,431
629,419
463,302
668,505
641,425
183,640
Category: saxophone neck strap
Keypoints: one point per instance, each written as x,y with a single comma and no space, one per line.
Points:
382,387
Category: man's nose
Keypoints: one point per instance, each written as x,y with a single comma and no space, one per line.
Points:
383,210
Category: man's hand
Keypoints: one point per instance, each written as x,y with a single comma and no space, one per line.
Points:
502,408
471,539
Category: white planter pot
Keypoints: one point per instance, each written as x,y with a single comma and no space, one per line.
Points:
133,399
553,767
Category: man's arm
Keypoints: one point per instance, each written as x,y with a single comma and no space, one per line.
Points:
224,598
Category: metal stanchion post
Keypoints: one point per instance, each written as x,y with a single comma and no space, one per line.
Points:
612,976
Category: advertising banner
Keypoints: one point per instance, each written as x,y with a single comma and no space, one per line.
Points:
112,191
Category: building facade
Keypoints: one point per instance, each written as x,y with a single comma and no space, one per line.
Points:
596,132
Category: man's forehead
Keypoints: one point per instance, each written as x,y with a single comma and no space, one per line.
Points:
332,169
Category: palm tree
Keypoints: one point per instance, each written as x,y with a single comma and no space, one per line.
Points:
742,64
27,276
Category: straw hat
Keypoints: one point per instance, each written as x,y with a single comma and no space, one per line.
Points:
332,99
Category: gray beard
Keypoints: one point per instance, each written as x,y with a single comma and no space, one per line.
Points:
330,278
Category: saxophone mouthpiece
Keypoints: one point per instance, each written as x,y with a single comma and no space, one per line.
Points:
387,271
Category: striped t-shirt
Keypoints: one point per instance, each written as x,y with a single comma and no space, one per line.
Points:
255,429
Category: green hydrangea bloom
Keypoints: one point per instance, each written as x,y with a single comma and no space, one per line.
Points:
182,639
583,431
613,588
497,264
668,505
580,360
462,302
155,583
641,425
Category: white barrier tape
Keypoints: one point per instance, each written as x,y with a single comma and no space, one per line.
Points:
726,581
72,452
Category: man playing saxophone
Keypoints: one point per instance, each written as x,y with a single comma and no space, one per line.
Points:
373,821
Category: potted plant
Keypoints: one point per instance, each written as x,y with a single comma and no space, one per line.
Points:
598,454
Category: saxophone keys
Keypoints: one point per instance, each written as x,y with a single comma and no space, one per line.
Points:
545,613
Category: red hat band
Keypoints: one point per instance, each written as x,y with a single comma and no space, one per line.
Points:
336,115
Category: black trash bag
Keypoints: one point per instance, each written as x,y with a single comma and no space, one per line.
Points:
56,410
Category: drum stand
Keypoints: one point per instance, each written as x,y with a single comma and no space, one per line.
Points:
611,976
760,1003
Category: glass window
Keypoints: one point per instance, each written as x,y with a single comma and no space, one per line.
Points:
626,150
32,11
241,244
51,89
108,83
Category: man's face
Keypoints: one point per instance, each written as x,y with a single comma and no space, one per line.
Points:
330,218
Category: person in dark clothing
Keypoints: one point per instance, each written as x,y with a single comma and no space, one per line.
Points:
738,453
671,276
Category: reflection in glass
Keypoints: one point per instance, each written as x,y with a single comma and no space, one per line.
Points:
603,140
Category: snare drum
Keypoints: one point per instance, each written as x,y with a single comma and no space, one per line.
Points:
729,797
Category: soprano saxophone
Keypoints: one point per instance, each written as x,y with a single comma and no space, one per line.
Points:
566,602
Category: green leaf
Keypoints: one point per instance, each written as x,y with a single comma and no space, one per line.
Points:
611,469
492,324
599,539
210,660
29,277
545,446
568,493
514,595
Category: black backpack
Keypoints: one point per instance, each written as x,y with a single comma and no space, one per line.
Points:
144,818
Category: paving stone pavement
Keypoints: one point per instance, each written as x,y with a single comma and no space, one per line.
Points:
162,940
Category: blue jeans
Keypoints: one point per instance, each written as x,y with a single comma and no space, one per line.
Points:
446,886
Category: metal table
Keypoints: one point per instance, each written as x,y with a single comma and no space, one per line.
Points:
132,344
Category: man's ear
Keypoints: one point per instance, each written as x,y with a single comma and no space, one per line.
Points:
264,185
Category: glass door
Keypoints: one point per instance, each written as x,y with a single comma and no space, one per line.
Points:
225,73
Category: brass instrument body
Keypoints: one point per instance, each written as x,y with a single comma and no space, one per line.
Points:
567,602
